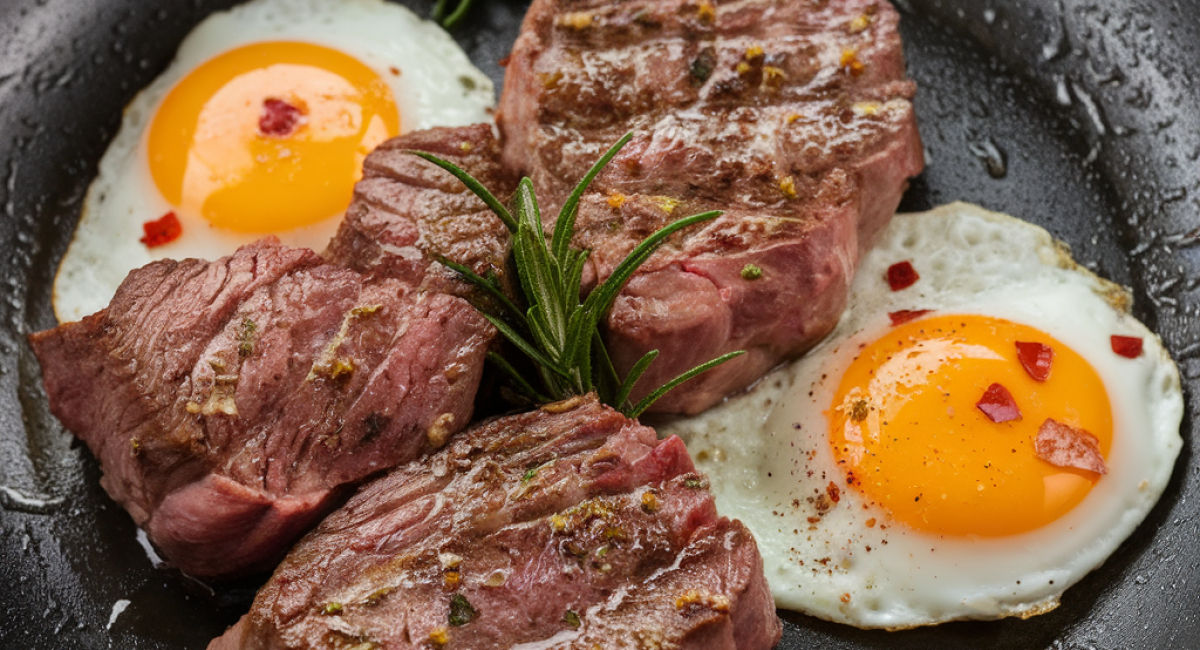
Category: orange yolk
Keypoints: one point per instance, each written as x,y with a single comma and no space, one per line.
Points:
906,432
209,155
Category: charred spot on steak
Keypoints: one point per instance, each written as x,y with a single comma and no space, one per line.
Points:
374,424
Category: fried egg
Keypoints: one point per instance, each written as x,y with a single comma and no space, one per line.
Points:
889,484
259,127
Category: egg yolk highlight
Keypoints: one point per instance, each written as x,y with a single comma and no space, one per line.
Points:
269,137
906,432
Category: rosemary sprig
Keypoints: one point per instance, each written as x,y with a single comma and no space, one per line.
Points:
556,331
448,18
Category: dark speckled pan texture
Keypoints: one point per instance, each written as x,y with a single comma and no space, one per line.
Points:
1080,115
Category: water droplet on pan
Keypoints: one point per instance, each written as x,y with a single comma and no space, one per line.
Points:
1092,108
1062,92
991,156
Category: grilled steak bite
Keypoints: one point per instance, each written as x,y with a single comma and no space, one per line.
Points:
405,210
570,527
229,402
793,117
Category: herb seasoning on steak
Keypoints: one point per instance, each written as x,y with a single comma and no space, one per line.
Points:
792,117
230,403
568,527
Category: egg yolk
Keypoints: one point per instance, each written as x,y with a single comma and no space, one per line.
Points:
906,431
269,137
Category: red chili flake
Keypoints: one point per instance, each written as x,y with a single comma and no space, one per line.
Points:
162,230
1036,359
278,118
1066,446
1127,346
904,315
834,492
998,404
901,275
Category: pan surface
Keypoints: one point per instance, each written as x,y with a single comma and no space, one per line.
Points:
1081,116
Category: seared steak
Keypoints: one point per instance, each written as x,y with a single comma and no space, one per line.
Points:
406,210
229,402
793,117
570,527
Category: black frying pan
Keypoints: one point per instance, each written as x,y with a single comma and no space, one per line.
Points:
1081,116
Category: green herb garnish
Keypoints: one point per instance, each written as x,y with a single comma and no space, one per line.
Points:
461,611
572,619
557,332
448,18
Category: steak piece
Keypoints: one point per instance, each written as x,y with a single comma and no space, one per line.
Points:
569,527
406,210
230,402
793,117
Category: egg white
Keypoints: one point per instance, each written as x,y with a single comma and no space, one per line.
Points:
437,86
767,452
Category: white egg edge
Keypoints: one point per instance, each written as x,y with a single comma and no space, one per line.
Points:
1164,422
1164,427
82,273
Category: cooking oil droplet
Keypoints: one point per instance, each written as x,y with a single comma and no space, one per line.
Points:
1056,45
144,541
117,609
1092,108
991,156
1062,93
18,501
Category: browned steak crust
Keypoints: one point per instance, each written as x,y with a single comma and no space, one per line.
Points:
792,116
229,401
568,529
406,211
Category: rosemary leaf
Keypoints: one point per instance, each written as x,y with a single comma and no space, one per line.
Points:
558,332
579,347
490,286
475,186
529,349
574,275
607,380
517,378
457,16
439,10
635,373
564,228
600,300
540,274
650,399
